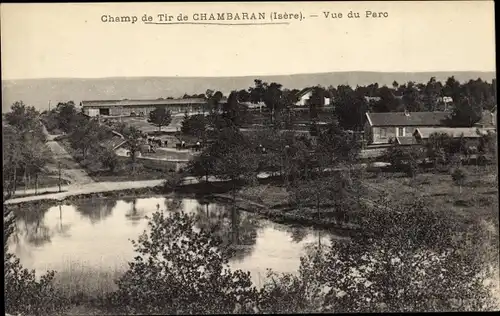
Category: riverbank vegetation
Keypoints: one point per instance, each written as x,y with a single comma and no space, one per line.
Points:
421,237
412,259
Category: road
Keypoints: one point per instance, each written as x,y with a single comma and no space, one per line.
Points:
70,169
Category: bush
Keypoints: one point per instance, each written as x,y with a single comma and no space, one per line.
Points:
180,270
23,294
108,159
417,260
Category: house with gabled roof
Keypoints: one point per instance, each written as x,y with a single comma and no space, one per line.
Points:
385,128
410,128
304,97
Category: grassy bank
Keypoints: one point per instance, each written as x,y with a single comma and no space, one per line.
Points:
124,171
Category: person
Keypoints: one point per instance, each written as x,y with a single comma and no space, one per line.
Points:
197,145
183,144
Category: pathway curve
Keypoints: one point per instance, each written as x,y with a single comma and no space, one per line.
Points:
70,169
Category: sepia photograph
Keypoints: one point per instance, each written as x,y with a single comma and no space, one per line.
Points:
249,157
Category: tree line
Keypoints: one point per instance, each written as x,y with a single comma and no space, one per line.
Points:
25,154
349,104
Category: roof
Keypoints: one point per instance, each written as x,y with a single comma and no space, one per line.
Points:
468,132
408,119
109,103
114,142
303,92
406,140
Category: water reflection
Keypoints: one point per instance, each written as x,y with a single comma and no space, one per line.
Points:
97,233
237,231
96,210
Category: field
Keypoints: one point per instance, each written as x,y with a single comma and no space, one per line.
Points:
477,197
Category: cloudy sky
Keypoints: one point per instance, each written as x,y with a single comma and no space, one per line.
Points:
69,40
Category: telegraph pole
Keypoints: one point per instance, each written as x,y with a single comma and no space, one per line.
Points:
59,168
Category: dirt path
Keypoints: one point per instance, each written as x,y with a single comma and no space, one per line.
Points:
70,169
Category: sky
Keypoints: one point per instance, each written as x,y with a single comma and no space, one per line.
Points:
70,40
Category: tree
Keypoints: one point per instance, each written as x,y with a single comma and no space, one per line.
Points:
202,165
459,176
465,113
108,159
181,270
194,125
67,116
350,108
414,259
412,98
86,136
388,102
134,142
337,145
438,148
432,92
160,117
23,117
405,159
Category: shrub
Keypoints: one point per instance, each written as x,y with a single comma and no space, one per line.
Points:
179,269
23,293
109,159
417,260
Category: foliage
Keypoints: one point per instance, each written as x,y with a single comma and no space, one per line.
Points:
160,116
86,135
350,108
133,136
24,118
24,294
180,270
202,165
232,154
25,153
194,125
336,145
466,113
459,176
67,115
415,259
109,159
404,158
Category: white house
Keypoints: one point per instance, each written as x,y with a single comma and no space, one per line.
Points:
304,97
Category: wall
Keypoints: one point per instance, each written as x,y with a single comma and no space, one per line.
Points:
127,110
303,100
390,132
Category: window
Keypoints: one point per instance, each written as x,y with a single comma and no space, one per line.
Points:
383,132
400,132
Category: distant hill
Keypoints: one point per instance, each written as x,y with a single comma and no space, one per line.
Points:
38,92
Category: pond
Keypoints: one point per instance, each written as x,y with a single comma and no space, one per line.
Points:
92,238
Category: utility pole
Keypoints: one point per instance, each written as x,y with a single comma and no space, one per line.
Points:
49,105
59,169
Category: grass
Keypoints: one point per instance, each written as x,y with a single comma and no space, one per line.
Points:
124,171
44,181
478,197
78,279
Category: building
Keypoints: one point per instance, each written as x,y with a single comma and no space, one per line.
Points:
384,128
140,107
304,97
422,134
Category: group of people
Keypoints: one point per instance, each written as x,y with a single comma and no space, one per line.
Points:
157,142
